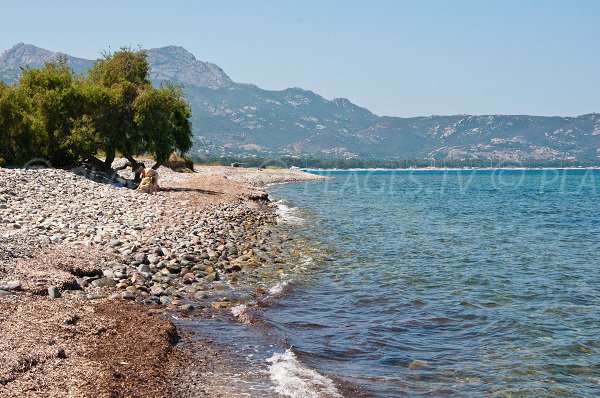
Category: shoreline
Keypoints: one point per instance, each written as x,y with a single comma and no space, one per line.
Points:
196,248
457,169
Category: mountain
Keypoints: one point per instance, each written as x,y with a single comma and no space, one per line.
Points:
23,54
232,118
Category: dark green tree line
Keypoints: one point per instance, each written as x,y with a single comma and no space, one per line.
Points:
54,114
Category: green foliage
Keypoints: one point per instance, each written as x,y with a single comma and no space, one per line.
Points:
21,134
54,114
163,118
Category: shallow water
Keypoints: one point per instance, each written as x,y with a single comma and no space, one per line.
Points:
459,283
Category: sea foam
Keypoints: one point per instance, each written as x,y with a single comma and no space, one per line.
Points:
286,214
293,379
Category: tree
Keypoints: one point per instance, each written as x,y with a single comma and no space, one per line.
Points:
63,117
162,116
21,134
50,90
124,75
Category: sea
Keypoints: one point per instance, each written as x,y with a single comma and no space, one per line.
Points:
432,283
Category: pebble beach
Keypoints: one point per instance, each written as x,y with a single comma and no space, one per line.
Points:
90,273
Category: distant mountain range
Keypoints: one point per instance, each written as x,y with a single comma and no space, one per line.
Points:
232,118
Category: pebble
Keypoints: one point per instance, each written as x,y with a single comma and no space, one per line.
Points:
104,282
163,248
13,285
53,292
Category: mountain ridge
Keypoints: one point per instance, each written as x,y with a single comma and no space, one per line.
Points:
231,118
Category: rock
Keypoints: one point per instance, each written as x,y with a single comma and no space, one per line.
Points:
144,268
213,276
104,282
127,295
115,243
53,292
138,279
141,258
157,291
13,285
188,278
186,307
151,300
5,292
190,290
121,285
152,259
108,273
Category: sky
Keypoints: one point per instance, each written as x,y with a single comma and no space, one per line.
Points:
396,58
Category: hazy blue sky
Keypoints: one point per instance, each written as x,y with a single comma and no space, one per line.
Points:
399,58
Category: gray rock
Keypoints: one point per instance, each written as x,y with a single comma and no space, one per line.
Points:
144,268
13,285
108,273
104,282
127,295
53,292
141,258
115,243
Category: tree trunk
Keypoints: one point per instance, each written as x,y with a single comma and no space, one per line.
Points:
136,166
110,157
97,163
156,166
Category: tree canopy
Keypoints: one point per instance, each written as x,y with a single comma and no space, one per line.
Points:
54,114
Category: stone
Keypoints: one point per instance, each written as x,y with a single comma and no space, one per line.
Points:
157,291
53,292
144,268
104,282
233,268
127,295
13,285
138,279
115,243
213,276
121,285
141,258
186,307
108,273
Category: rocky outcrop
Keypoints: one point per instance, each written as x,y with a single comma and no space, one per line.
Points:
179,65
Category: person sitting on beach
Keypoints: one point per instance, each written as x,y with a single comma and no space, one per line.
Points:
149,182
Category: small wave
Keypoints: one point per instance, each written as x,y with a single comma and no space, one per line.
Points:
292,379
238,310
278,288
285,213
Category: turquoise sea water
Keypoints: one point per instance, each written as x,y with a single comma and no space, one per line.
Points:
448,283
